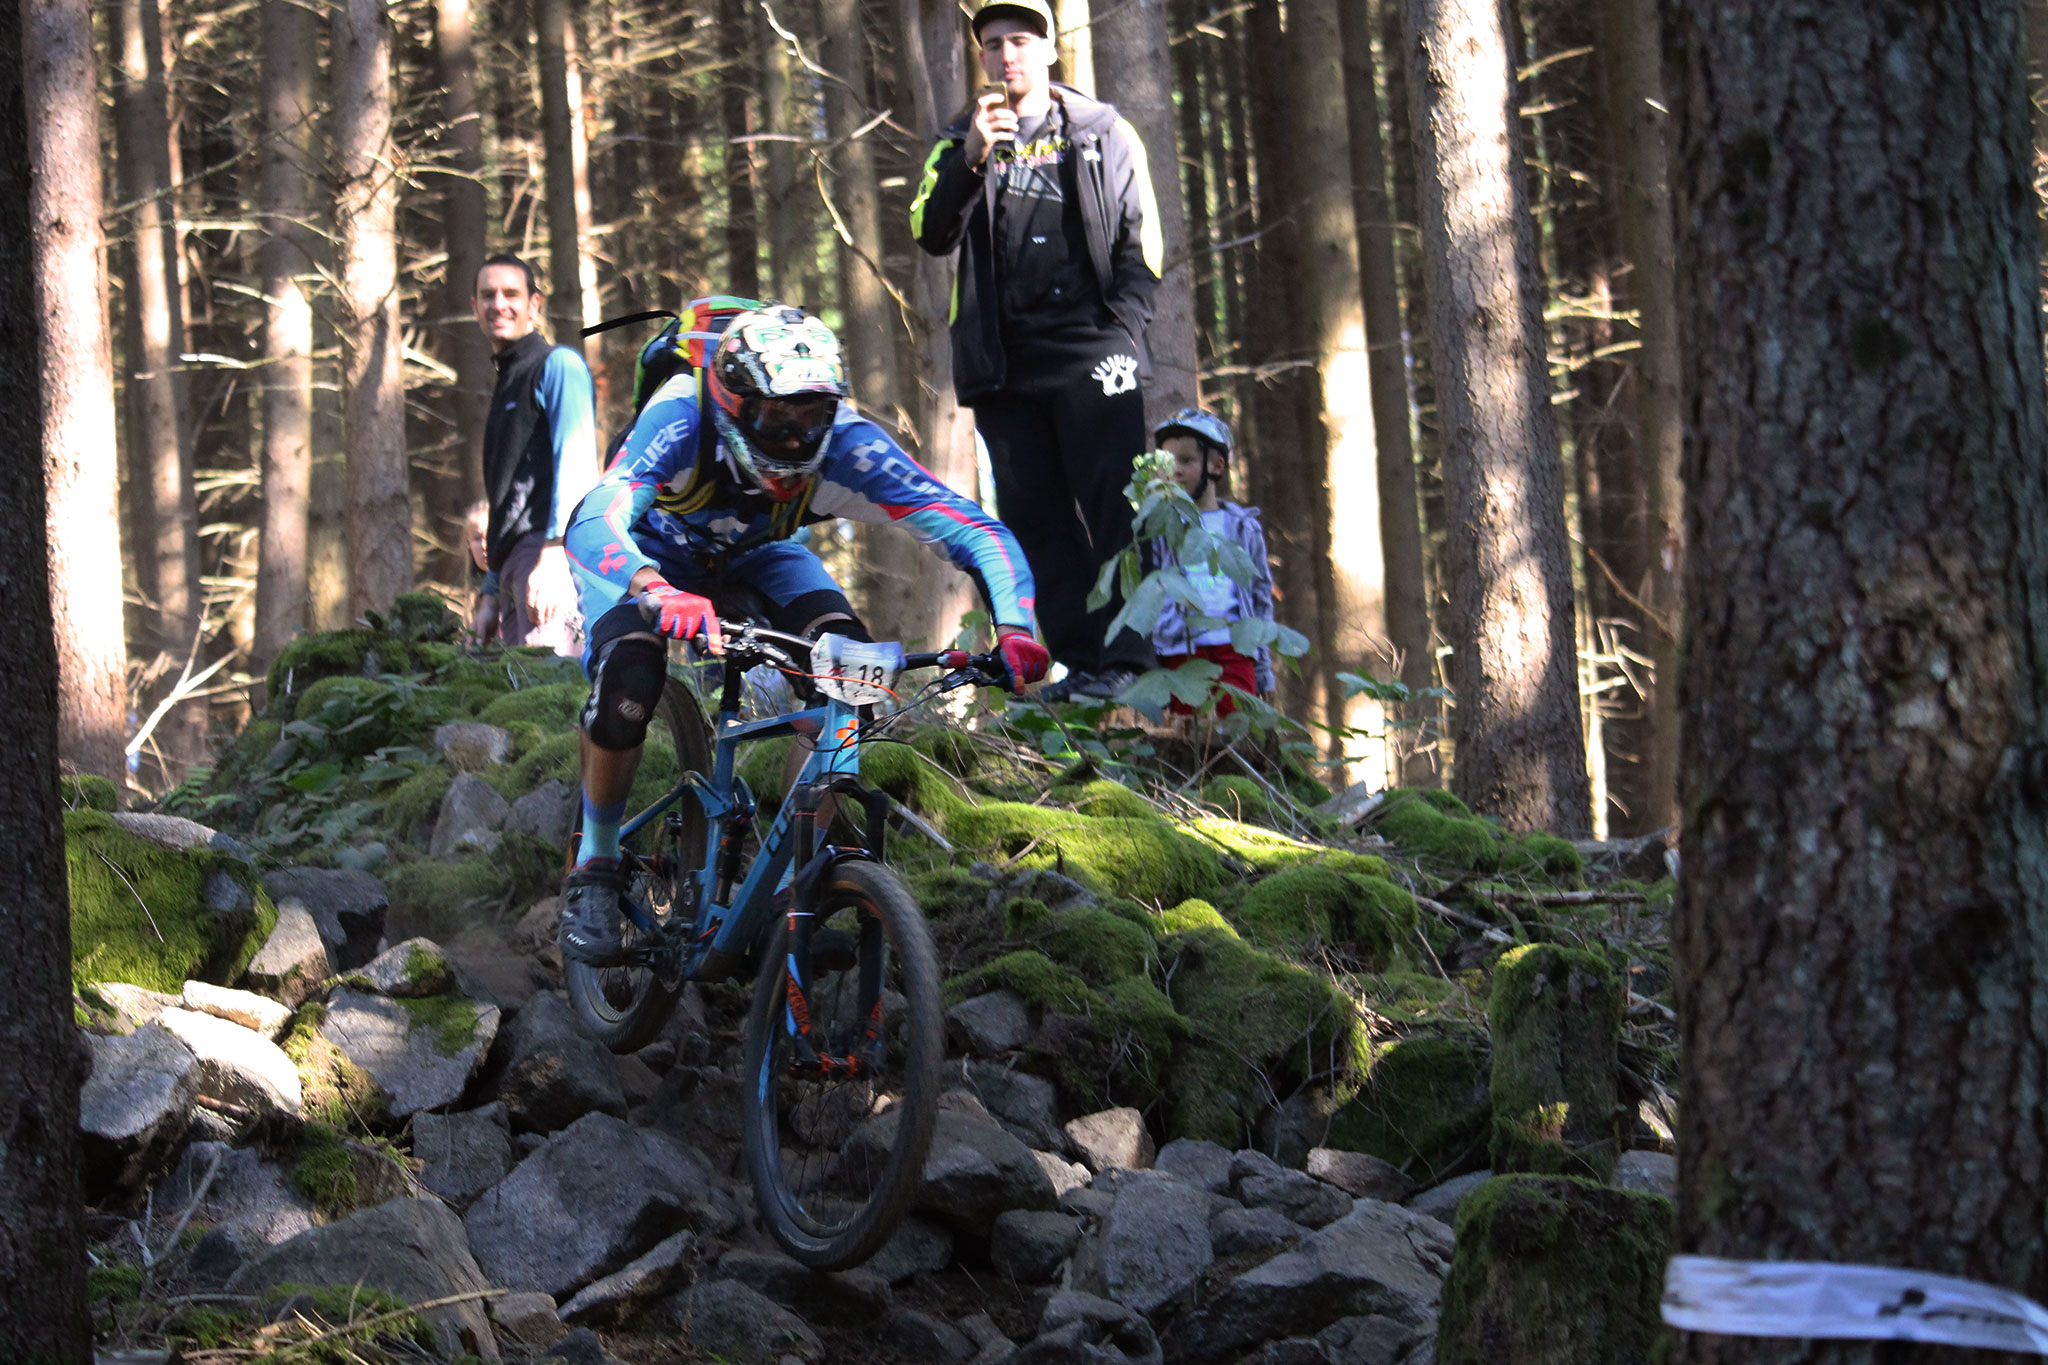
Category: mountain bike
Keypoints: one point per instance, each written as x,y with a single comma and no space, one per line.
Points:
845,1034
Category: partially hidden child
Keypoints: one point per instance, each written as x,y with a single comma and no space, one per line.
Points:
1200,444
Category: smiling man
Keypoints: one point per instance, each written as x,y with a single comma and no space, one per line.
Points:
540,458
1045,194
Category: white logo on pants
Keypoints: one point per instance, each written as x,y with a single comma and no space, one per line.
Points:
1118,373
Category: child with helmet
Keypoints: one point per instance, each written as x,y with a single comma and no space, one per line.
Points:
1200,445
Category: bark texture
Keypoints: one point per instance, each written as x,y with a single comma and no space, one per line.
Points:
75,393
1514,670
366,215
466,228
291,58
742,245
42,1235
568,176
1862,929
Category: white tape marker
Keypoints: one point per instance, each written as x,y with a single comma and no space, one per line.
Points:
1853,1302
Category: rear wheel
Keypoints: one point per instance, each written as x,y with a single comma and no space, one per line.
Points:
625,1007
836,1158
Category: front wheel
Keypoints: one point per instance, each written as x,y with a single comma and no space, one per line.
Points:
625,1007
836,1157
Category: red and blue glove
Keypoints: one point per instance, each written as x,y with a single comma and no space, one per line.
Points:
1022,655
677,614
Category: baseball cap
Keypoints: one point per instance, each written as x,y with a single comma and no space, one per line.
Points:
1037,13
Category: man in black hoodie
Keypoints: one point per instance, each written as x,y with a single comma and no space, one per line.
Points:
1046,195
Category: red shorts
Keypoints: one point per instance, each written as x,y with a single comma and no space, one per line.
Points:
1238,671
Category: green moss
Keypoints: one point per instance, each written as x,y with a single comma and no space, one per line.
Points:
1261,1026
1556,1271
326,1171
306,659
1241,798
1104,797
910,777
423,616
1191,915
336,1091
945,892
1424,1107
1263,849
424,966
138,912
114,1283
439,896
554,706
85,791
1433,825
450,1019
554,758
761,765
1030,973
1118,1050
1409,997
1146,858
1314,903
205,1327
1098,944
339,1305
1544,855
1555,1014
949,748
411,807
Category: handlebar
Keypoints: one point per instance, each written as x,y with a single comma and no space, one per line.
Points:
747,640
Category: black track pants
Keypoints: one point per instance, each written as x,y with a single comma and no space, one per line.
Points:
1062,453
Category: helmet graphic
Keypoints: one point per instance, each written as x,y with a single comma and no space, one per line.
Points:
1203,426
775,380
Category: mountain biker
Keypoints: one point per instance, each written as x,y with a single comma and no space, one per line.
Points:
690,507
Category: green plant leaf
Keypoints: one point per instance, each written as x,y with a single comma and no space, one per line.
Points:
318,779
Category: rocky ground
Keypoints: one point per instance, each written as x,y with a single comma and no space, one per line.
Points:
1233,1061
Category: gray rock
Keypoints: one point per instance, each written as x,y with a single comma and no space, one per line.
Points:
917,1247
974,1170
548,812
981,1329
462,1155
471,746
1442,1202
1026,1105
1151,1248
551,1072
419,1066
910,1335
1380,1259
1263,1183
1112,1138
593,1197
702,1105
293,961
1292,1351
581,1347
991,1024
236,1065
624,1292
728,1319
249,1200
258,1013
134,1108
1085,1201
1205,1165
528,1319
184,835
413,1248
471,816
1030,1245
229,898
1056,889
412,970
1355,804
1237,1230
1371,1340
347,905
1064,1174
133,1006
1648,1173
1083,1329
1360,1174
848,1298
1290,1130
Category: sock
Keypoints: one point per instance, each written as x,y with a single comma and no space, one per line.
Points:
600,831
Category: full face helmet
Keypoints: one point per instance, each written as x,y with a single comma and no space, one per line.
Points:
775,380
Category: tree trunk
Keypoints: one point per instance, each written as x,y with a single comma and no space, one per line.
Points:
1135,73
466,230
783,186
75,395
1194,180
568,174
1076,44
159,421
1637,110
365,210
742,227
1407,609
291,61
49,236
1860,928
1514,671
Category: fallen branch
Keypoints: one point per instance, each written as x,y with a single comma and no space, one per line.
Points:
1463,920
1571,897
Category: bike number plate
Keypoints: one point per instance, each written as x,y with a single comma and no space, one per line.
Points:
855,671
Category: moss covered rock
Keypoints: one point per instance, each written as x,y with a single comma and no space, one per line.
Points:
1435,826
552,706
1104,797
335,1091
156,916
1260,1026
1100,945
1120,855
1556,1271
83,791
307,659
1555,1015
1315,903
1424,1107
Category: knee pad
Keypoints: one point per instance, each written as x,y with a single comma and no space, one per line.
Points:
630,676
